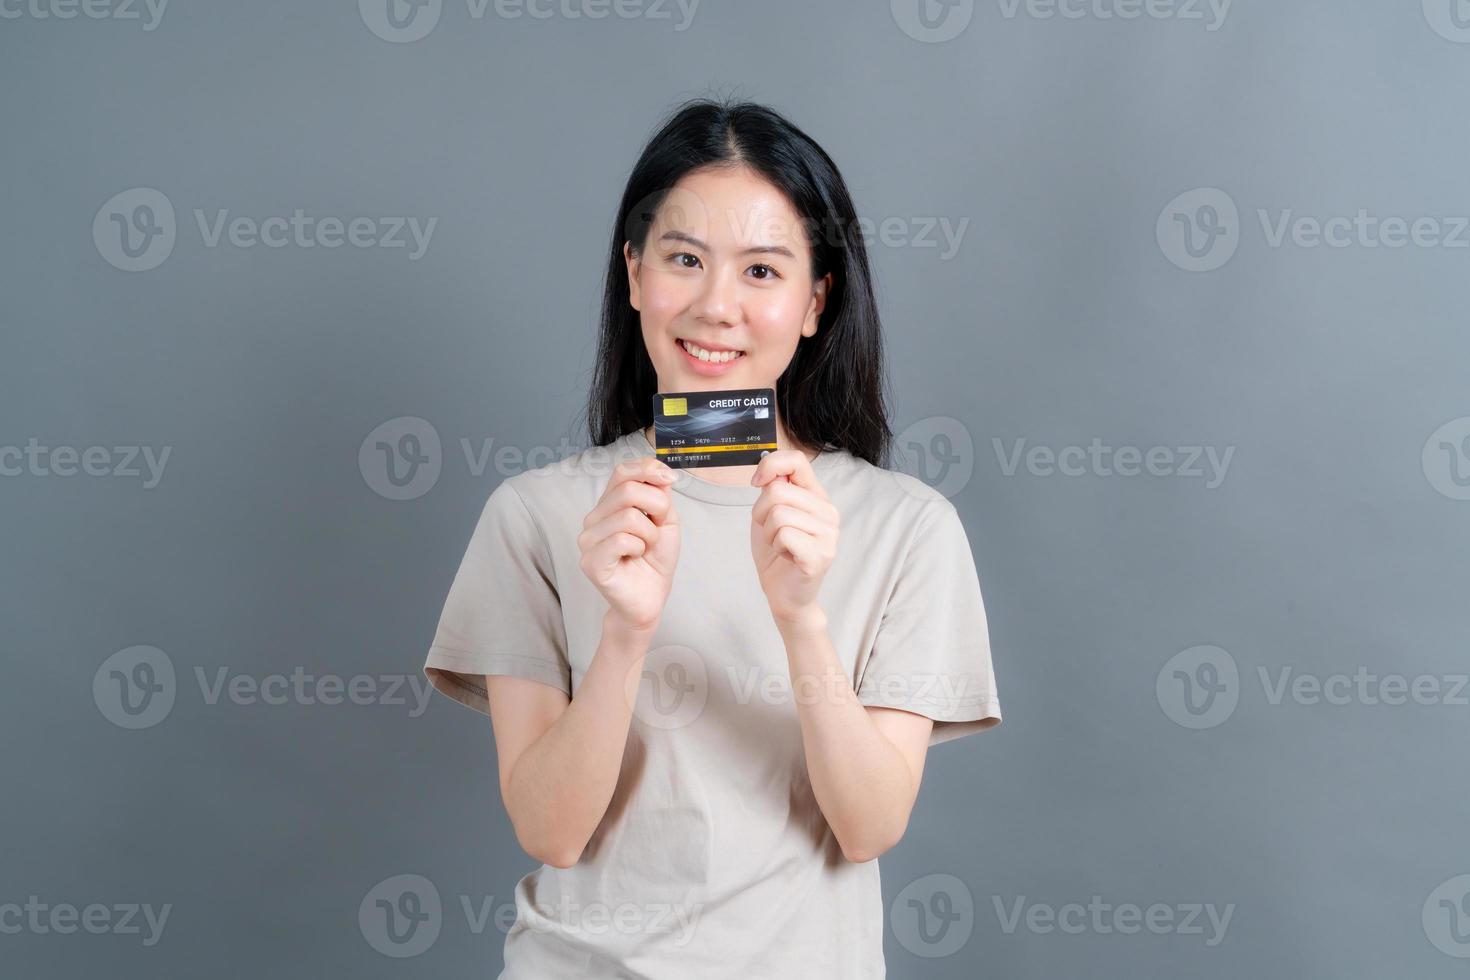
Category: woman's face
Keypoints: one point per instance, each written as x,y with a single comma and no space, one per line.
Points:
726,269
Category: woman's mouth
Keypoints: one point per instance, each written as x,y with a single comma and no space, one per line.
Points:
708,362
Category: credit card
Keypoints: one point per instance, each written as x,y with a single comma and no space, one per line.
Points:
714,428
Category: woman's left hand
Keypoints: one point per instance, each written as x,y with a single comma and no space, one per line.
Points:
793,533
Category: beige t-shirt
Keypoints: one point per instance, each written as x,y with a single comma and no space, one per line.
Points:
713,859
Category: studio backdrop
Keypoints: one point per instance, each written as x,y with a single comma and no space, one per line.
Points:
1174,297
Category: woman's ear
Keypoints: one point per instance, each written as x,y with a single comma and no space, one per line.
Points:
819,303
633,269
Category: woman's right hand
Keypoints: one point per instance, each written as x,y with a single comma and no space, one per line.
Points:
630,541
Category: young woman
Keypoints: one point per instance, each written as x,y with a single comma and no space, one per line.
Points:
712,690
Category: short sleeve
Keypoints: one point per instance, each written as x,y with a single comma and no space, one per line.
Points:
503,613
932,650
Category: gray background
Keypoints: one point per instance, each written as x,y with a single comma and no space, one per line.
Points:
1062,318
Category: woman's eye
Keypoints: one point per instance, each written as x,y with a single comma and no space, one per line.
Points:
764,271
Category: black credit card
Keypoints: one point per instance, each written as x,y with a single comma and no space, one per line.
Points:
714,428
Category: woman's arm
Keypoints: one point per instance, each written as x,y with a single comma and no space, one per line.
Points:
865,764
560,757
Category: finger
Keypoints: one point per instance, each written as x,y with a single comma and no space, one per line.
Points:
784,492
783,516
800,546
629,519
614,548
791,464
651,500
646,469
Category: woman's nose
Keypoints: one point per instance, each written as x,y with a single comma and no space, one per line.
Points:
717,301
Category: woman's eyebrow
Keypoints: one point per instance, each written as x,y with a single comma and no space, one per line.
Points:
680,236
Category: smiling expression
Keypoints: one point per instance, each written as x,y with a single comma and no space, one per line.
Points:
724,288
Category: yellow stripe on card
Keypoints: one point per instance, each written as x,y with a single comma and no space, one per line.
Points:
716,449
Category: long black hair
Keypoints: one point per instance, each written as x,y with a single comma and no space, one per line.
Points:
832,394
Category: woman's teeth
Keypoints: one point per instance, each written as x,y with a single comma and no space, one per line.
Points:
714,357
